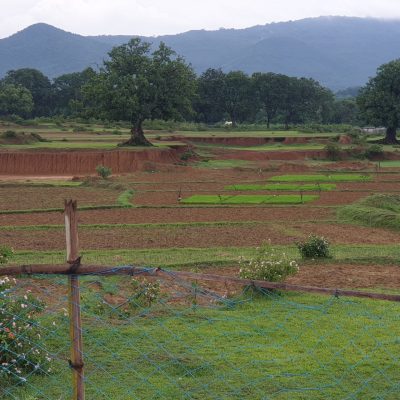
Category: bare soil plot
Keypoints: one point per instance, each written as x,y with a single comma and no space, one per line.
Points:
28,197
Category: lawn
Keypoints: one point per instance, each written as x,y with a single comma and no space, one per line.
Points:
322,178
288,187
249,199
189,345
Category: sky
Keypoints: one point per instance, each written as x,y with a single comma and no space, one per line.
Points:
158,17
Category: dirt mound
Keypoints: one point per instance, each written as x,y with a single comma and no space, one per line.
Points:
345,139
83,162
272,155
11,137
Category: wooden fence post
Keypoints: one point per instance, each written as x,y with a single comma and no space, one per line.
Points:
76,362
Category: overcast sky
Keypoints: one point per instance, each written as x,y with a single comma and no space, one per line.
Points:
156,17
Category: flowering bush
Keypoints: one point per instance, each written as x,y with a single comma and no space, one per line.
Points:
21,353
268,265
314,247
5,254
145,292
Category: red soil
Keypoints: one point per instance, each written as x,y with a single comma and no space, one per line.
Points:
81,162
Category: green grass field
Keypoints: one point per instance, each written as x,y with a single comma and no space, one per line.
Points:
285,346
287,187
322,178
249,199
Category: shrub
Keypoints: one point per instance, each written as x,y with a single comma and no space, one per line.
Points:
269,265
333,151
374,150
314,247
22,354
5,254
103,171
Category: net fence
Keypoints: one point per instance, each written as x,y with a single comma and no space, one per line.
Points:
163,337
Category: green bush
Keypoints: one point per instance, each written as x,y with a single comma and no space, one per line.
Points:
5,254
314,247
269,265
373,151
332,151
103,171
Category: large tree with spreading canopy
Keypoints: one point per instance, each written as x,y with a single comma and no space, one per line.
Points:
136,84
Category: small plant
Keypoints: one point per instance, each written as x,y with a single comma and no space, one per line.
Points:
146,293
373,151
269,264
22,351
5,254
103,171
9,135
314,247
332,151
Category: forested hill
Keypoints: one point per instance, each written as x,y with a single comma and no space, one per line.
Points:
339,52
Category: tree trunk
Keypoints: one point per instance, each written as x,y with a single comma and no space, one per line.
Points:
268,122
390,136
137,137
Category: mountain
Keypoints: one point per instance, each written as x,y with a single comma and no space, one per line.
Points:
339,52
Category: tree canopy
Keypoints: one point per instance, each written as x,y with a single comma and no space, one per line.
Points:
136,84
15,100
379,100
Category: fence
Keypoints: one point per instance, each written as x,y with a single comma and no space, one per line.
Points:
145,333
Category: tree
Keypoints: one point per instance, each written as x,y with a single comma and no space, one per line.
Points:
236,95
135,85
304,100
67,90
379,100
15,100
210,103
39,86
267,89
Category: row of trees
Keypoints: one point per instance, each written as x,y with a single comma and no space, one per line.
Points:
137,83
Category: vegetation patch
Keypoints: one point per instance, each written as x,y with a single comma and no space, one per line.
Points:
124,199
322,178
379,210
17,138
221,164
249,199
288,187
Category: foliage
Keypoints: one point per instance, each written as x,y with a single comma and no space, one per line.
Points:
379,100
37,84
103,171
15,100
269,264
314,247
332,151
135,85
21,352
125,198
5,254
373,151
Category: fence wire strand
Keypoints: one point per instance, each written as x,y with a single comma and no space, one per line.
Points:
152,336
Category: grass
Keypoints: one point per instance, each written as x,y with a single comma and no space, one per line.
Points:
390,164
249,199
177,258
322,178
289,187
291,346
281,147
124,199
222,164
379,210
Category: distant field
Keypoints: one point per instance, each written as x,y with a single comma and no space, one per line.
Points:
322,178
249,199
288,187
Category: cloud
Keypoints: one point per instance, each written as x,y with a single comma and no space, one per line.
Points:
154,17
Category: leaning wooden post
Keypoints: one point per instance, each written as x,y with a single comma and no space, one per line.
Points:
76,362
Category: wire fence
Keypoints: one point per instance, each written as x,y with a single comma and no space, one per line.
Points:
145,333
157,336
